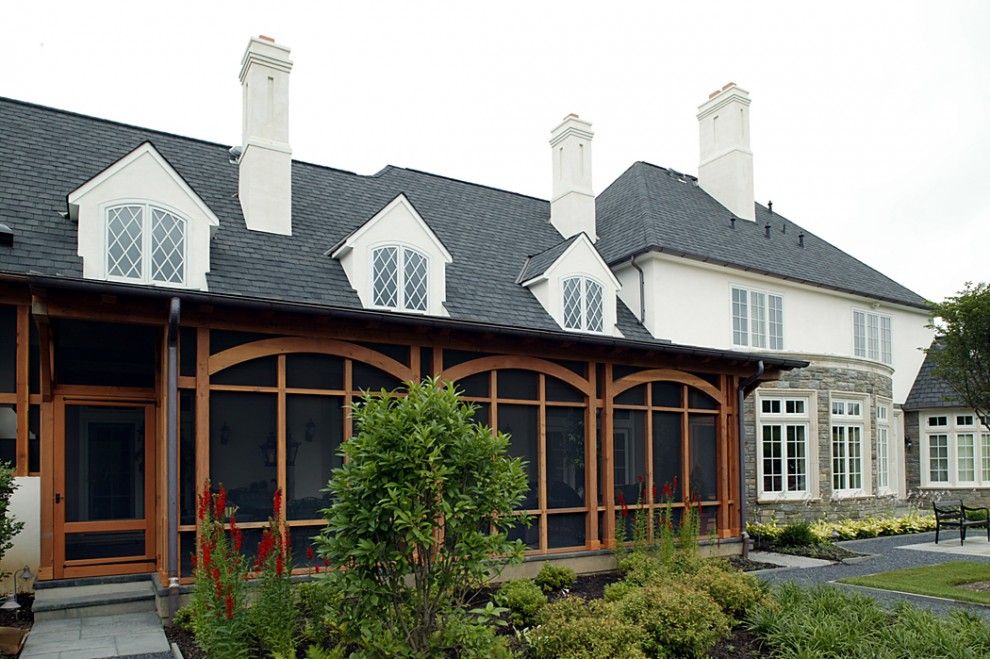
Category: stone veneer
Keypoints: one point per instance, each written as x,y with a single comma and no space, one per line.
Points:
971,496
825,376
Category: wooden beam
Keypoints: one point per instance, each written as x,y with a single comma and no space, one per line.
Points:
22,386
46,349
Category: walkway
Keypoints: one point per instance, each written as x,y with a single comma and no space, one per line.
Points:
135,635
891,553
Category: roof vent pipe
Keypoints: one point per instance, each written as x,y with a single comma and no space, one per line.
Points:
732,221
6,235
770,207
766,229
801,239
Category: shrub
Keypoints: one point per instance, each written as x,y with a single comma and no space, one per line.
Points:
219,618
828,622
640,568
797,534
9,525
183,619
555,577
317,607
523,598
616,591
677,619
764,533
468,639
572,628
420,512
733,590
273,616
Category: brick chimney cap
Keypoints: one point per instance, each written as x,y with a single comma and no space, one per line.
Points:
728,85
265,37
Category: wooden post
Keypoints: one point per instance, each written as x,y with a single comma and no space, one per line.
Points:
608,477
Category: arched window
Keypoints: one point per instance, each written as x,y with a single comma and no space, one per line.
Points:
399,278
145,243
583,308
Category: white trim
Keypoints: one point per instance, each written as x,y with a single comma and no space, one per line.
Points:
867,313
952,431
74,197
400,276
400,200
147,266
809,420
863,423
767,294
543,276
890,446
583,280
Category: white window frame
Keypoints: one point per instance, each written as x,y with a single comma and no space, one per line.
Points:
583,281
783,418
400,276
887,454
952,424
840,417
147,266
877,342
758,303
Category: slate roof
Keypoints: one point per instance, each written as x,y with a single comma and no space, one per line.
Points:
539,263
653,208
928,391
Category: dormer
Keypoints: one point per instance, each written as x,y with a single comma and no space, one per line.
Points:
395,262
140,222
575,286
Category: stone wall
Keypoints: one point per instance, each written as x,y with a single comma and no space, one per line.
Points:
823,379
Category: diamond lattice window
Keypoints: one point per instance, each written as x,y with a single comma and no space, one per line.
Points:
168,247
583,304
125,243
400,278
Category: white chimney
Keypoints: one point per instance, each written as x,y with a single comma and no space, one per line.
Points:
265,186
725,170
572,206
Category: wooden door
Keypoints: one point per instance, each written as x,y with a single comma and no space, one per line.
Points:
104,478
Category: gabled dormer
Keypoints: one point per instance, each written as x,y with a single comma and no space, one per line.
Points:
574,285
140,222
395,262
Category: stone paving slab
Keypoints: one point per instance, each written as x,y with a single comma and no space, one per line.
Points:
978,546
787,560
96,637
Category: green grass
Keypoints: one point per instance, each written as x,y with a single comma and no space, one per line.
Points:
936,580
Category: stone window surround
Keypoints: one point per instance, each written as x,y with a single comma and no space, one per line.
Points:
813,491
866,450
952,431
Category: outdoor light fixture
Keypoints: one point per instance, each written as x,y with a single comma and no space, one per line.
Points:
310,431
269,450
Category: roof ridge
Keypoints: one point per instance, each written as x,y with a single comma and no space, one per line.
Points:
556,244
460,180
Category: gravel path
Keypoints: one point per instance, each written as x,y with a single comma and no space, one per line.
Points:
886,557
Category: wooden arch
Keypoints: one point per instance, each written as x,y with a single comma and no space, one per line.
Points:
483,364
295,344
667,375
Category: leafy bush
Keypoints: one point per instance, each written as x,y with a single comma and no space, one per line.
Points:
466,638
640,568
273,615
616,591
572,628
677,619
523,598
421,488
9,525
733,590
183,619
555,577
317,607
828,622
764,532
797,534
824,531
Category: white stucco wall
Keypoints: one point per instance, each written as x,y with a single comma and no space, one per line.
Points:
690,302
25,505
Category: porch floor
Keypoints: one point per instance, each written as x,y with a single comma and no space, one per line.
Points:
127,635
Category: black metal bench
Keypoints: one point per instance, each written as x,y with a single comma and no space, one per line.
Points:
955,518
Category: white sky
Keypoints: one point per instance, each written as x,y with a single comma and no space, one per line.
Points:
870,120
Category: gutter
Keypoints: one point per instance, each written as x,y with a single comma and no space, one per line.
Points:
745,387
642,288
172,453
403,319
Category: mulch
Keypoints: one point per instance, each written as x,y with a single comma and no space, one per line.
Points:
186,642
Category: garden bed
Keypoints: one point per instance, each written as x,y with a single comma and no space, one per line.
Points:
825,551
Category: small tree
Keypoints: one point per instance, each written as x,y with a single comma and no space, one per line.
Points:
9,525
419,517
961,351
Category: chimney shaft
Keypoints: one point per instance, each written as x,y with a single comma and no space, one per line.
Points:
265,185
725,170
572,206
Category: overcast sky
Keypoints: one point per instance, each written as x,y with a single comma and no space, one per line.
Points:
870,120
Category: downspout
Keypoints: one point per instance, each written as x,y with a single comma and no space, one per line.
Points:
642,288
744,388
172,454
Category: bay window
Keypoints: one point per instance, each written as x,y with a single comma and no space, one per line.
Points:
757,319
784,449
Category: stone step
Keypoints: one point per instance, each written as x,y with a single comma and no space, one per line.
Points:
94,599
90,581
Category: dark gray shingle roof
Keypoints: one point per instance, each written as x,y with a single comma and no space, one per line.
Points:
538,263
652,208
929,391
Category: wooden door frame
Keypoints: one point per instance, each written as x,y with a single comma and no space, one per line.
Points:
105,397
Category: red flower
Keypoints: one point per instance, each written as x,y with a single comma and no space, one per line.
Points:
654,491
668,490
277,502
207,554
675,482
229,602
279,564
326,562
204,505
265,547
221,503
238,539
309,552
640,478
317,569
622,504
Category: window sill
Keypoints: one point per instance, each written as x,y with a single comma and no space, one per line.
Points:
948,486
770,498
851,496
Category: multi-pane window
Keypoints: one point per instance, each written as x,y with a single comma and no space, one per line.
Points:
872,336
847,446
883,446
145,243
957,451
399,278
783,427
757,319
583,304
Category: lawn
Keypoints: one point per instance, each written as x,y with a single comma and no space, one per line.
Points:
936,580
